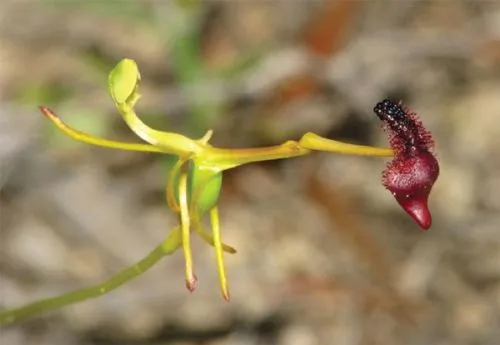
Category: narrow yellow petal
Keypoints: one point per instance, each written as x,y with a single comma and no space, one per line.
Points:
90,139
214,217
191,280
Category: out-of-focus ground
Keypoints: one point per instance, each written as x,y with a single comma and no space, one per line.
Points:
325,255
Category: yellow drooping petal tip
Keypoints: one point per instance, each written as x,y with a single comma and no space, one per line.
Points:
225,293
219,252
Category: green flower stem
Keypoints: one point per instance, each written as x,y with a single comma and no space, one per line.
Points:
167,247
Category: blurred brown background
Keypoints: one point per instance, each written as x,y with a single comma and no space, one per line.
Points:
325,255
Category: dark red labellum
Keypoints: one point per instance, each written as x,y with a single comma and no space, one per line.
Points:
414,169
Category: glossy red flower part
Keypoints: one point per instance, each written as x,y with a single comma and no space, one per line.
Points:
414,169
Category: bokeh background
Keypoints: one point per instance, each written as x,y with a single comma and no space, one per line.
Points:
325,255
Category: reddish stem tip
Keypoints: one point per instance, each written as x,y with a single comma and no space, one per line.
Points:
226,295
192,283
45,111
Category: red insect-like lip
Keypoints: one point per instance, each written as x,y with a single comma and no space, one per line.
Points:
412,173
410,180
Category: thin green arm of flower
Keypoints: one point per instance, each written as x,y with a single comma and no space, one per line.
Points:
170,245
191,279
123,85
315,142
229,158
90,139
219,253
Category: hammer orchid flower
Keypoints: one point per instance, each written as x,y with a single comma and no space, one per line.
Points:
194,183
